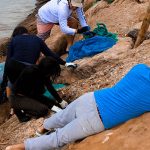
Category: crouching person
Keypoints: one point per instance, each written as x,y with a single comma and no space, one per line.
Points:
28,87
95,112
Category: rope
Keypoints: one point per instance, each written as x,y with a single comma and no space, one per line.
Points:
100,30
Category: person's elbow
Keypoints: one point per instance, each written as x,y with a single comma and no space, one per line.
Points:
67,30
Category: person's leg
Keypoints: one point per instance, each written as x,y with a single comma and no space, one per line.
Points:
16,147
28,105
84,125
43,29
8,91
77,129
73,23
60,119
78,107
64,116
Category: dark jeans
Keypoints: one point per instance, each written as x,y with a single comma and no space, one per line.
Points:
33,107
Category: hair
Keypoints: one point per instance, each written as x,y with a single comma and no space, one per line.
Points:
19,30
49,67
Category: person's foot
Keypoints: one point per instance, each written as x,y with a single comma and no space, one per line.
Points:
40,131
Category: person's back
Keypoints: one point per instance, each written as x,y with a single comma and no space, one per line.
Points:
129,98
31,82
49,11
25,48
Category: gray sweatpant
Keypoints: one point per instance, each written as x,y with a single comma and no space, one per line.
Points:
78,120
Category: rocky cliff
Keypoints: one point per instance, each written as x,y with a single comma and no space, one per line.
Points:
102,70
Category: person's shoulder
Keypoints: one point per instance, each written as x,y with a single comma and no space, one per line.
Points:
35,37
25,37
17,37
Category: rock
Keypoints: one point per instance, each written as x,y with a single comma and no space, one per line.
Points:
124,137
4,112
134,33
3,48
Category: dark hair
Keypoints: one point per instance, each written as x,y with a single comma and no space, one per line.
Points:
19,30
49,67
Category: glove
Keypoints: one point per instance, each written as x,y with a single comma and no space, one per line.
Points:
89,33
83,29
63,104
56,109
70,64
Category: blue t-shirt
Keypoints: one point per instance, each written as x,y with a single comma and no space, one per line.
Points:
129,98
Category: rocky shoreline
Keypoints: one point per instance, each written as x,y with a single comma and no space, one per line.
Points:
30,23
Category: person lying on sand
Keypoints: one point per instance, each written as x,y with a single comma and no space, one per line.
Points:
95,112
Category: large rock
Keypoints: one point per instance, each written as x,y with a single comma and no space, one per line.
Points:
119,16
132,135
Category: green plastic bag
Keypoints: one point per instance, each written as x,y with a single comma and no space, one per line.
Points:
56,87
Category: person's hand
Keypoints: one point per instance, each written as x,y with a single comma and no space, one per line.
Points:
63,104
83,29
89,33
70,64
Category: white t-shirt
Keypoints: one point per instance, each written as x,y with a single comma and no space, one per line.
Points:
56,11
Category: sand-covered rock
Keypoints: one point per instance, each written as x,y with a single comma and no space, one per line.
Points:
132,135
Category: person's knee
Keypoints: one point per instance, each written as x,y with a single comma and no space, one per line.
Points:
42,112
44,35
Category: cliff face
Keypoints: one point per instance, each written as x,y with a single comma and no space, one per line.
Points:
102,70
